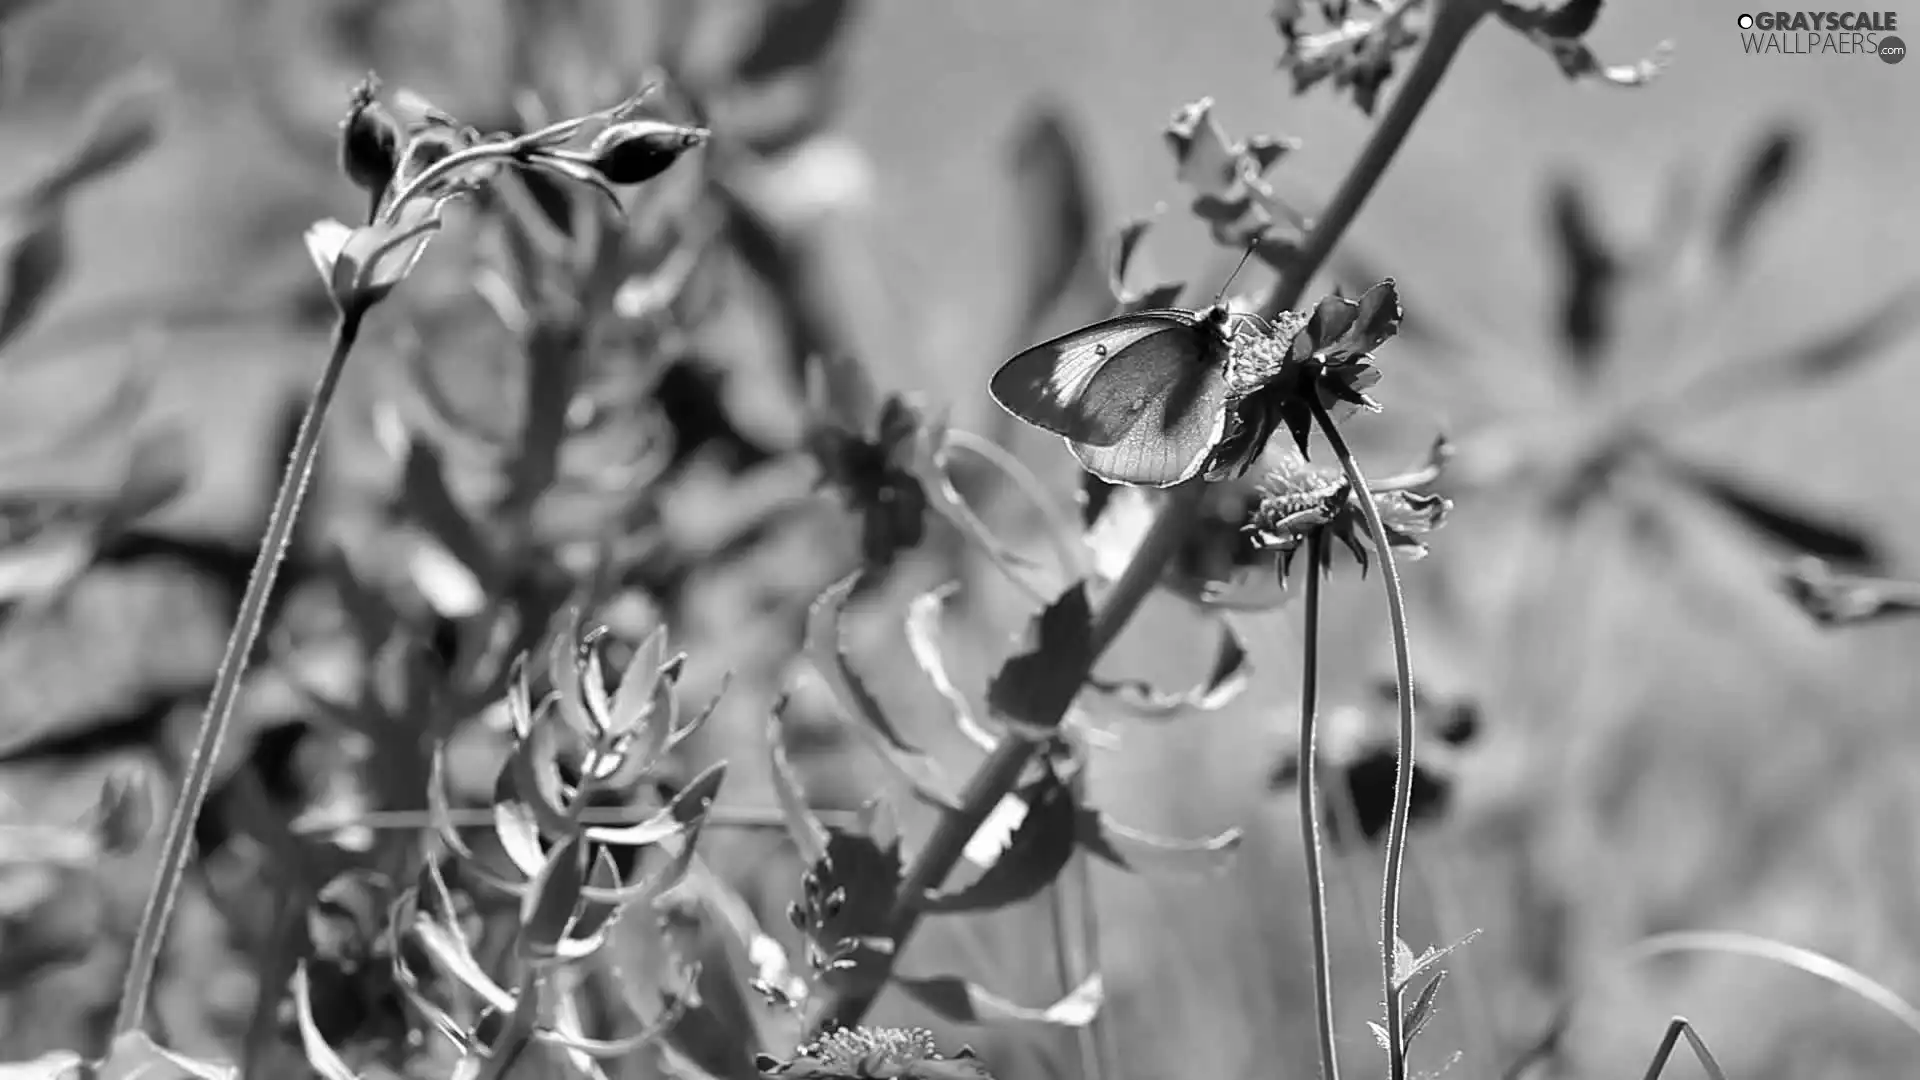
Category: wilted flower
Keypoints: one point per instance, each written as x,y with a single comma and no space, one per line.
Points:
1298,497
867,1053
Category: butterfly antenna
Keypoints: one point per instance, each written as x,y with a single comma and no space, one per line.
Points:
1252,246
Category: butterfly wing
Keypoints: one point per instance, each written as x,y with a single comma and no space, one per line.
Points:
1078,385
1180,384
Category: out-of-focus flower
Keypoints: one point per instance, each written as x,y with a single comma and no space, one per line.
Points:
868,1053
878,475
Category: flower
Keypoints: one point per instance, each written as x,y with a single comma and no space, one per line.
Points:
1325,358
1298,497
878,475
879,1053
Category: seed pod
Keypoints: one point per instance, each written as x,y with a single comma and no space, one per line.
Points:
369,141
639,150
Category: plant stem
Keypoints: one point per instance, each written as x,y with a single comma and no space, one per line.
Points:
1310,810
1452,21
175,850
1403,757
1001,771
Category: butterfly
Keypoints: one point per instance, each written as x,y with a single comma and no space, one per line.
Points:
1141,399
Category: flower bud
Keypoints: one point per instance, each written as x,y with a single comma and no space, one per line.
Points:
639,150
369,141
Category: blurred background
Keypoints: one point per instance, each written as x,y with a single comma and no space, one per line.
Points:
1657,739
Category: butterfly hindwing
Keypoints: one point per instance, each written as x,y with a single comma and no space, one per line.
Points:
1076,385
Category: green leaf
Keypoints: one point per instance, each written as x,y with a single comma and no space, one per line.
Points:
963,1002
58,1065
1039,849
1032,690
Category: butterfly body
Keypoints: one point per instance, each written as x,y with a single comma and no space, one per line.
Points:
1140,398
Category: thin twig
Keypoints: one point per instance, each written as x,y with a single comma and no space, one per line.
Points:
1403,757
176,849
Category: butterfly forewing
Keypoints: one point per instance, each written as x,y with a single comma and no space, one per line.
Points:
1141,399
1047,385
1181,420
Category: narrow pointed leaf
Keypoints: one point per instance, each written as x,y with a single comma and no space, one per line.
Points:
826,643
1763,178
923,640
963,1002
1778,519
1589,277
548,909
1232,668
1421,1010
809,835
1131,849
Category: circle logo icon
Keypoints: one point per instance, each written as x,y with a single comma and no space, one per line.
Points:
1746,22
1892,50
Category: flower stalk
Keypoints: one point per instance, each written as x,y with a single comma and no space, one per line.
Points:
176,848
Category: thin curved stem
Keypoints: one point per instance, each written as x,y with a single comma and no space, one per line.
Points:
176,849
1403,756
1310,810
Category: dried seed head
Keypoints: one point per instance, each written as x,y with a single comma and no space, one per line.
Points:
369,140
639,150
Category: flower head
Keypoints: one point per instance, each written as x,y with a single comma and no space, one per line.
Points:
864,1053
1297,498
1325,359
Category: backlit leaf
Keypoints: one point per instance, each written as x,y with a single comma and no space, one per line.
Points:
1035,854
963,1002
